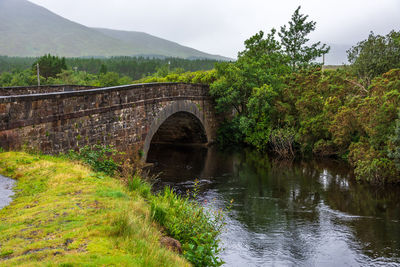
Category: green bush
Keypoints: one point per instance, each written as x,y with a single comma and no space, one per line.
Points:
196,228
324,148
377,170
99,157
229,133
394,145
282,141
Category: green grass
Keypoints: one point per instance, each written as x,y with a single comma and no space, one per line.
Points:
64,214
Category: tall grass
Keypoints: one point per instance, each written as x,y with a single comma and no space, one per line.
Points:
182,217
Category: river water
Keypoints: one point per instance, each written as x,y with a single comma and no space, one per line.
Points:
6,192
302,213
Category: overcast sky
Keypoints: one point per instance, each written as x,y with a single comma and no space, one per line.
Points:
221,26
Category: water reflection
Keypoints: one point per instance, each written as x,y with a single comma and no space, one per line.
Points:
6,192
307,213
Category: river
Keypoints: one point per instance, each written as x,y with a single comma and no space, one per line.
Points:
301,213
6,192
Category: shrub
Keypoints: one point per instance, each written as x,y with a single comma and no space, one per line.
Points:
282,141
187,221
371,165
394,145
377,170
229,133
99,157
324,148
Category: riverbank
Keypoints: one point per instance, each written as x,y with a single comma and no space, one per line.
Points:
65,214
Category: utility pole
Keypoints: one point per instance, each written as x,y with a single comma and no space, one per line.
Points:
38,74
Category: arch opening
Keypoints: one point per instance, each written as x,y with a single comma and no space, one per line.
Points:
177,132
180,128
181,122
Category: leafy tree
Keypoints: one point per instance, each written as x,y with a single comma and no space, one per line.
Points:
109,79
294,40
260,63
5,79
257,125
375,55
50,65
23,78
125,80
249,87
252,86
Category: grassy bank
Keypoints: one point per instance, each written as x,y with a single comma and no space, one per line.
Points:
64,214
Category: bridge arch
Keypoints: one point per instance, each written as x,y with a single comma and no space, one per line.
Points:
55,120
185,117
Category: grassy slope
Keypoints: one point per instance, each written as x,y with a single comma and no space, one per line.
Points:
63,213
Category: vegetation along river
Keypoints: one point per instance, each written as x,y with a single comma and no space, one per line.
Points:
302,213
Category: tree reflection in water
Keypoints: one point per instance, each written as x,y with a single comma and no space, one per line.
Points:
305,212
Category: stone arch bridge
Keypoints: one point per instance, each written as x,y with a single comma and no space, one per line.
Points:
55,119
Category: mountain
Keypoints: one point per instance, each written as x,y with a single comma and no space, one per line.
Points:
150,45
27,29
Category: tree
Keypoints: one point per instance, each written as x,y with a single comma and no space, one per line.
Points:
109,79
294,40
5,79
50,65
375,56
249,86
260,63
103,69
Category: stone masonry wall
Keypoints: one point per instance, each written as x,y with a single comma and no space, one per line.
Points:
120,116
26,90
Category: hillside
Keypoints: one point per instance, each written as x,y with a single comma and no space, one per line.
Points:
27,29
147,44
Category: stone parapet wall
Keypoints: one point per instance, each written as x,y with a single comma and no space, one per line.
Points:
26,90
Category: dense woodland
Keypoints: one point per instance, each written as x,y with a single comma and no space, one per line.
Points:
276,98
16,71
285,103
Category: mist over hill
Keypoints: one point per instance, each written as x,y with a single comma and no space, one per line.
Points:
27,29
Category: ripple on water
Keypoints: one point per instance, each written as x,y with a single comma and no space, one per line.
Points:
6,192
301,213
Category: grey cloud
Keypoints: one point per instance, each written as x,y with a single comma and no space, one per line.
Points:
221,26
